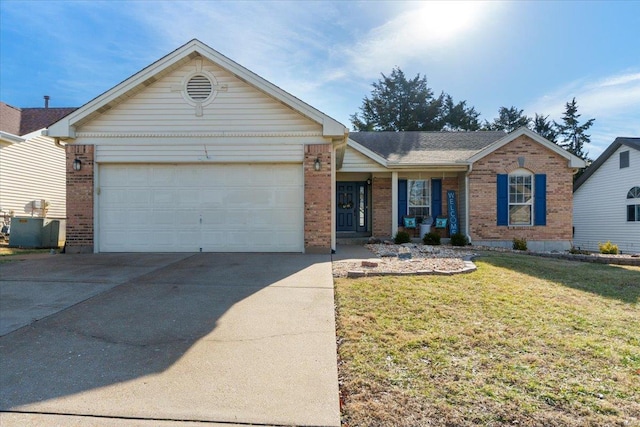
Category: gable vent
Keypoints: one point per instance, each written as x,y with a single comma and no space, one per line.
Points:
199,88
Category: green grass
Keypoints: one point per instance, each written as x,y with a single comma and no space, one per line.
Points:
7,251
523,341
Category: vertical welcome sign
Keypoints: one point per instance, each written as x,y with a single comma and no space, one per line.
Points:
452,211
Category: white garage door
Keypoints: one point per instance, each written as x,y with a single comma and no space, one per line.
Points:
193,208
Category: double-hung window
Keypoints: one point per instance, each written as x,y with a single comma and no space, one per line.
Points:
520,198
418,197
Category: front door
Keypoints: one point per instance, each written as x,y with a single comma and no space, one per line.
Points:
351,206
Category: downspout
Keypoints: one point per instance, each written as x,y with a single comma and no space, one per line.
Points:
466,201
56,141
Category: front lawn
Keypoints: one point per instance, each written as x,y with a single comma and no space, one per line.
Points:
523,341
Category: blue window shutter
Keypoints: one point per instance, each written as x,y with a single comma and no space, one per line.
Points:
503,199
540,200
436,198
402,200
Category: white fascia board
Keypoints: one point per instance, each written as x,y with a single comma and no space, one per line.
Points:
574,161
10,138
365,151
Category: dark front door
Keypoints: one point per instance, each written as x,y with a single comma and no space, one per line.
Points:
351,206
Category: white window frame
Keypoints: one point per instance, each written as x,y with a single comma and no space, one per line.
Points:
518,190
422,207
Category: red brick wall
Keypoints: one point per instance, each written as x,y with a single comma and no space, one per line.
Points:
80,199
538,160
381,205
317,199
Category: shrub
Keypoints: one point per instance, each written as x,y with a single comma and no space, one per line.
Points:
519,244
459,239
402,237
608,248
431,239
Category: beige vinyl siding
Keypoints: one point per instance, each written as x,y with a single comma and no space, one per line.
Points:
600,205
162,108
232,153
357,162
33,170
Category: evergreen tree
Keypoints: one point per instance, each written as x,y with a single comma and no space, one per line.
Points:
400,104
572,134
509,119
459,116
396,104
545,128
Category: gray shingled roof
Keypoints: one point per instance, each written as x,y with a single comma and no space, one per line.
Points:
629,142
426,147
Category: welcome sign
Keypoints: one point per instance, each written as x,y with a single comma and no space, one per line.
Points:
452,211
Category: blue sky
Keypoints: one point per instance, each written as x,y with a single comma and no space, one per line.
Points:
533,55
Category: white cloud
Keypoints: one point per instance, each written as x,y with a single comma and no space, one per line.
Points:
614,101
421,30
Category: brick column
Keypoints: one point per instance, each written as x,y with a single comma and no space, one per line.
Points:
317,199
381,205
79,199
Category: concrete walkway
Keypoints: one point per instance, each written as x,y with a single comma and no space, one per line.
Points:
168,339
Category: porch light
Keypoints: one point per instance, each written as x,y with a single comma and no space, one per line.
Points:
317,165
77,165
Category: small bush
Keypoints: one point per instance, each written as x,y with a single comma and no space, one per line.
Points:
519,244
431,239
459,239
608,248
402,237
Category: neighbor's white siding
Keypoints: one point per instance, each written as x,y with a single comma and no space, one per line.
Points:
600,205
31,171
160,107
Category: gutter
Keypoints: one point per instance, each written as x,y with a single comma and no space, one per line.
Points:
10,138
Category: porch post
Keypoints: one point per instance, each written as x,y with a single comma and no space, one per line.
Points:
394,203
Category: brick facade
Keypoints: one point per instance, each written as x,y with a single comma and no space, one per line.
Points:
381,205
483,194
80,199
317,199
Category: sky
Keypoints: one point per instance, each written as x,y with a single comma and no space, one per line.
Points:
536,56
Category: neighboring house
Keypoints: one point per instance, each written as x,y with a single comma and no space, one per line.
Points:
501,186
607,199
32,167
196,153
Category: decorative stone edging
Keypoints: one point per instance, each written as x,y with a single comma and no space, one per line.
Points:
469,267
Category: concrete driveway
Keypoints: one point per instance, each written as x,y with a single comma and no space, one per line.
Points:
168,339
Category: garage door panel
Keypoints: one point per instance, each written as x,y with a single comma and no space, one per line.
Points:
187,208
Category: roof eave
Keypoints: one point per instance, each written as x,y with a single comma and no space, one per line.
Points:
9,138
574,161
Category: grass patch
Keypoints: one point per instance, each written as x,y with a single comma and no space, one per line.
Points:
7,251
523,341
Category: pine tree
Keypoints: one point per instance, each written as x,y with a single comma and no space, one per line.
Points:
509,119
400,104
545,128
572,134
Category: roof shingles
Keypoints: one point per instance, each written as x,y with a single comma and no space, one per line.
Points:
21,121
426,147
